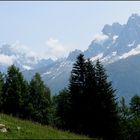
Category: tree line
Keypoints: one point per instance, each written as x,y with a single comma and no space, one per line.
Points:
87,106
28,100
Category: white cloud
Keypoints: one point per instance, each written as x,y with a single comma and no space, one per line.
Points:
7,60
100,38
55,49
23,49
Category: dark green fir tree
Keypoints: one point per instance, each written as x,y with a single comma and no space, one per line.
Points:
1,91
14,92
107,119
77,91
39,100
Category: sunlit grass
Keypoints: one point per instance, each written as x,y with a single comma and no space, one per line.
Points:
21,129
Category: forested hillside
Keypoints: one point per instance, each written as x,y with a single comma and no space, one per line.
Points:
87,106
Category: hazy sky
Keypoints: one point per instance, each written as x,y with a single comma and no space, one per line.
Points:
55,28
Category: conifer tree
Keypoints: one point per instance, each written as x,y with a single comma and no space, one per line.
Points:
135,106
1,91
92,105
39,100
14,91
63,107
123,109
24,98
91,99
107,115
77,91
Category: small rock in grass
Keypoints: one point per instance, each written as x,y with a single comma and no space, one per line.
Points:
18,127
3,130
2,126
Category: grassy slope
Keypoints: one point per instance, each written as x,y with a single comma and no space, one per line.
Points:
31,130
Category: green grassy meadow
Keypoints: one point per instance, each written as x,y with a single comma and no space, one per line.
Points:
21,129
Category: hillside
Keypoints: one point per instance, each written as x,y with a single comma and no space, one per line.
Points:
19,129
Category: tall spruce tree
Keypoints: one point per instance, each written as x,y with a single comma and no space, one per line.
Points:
107,124
77,91
24,98
91,99
14,92
39,100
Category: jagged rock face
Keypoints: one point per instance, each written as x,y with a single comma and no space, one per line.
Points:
115,41
114,29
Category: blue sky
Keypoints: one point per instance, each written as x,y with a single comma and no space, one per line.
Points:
54,28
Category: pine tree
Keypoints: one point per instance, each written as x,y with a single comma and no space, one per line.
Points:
92,105
14,91
24,100
107,115
77,91
135,106
91,99
39,100
1,91
63,107
124,110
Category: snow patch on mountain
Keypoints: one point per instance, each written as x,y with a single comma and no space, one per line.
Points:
114,53
131,44
46,73
110,58
134,51
62,64
26,67
99,56
114,38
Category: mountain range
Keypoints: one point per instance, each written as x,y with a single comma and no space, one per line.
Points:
116,46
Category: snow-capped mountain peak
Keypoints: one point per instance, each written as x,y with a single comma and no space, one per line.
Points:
122,39
21,56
